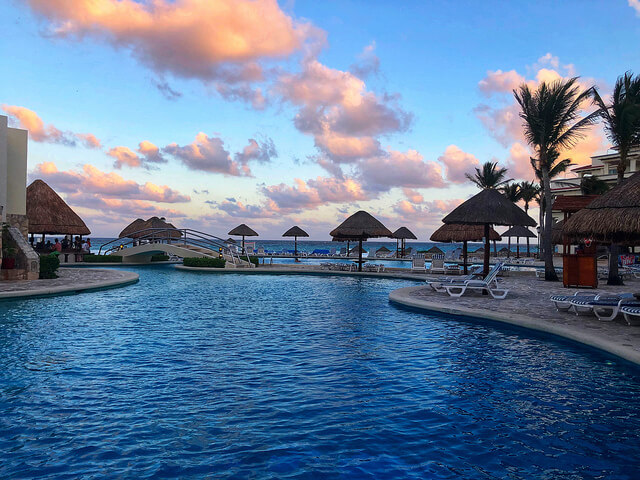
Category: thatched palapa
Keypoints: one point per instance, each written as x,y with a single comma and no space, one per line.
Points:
295,232
149,228
49,214
361,226
489,207
243,231
454,232
401,235
519,231
612,218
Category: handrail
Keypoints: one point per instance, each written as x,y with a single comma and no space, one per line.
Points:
187,236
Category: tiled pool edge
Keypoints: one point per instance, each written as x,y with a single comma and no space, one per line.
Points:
402,296
128,278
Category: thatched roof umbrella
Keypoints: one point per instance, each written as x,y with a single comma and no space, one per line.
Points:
402,234
462,233
518,231
435,251
356,250
556,232
489,207
136,228
362,226
230,240
344,239
383,250
612,218
48,213
295,232
243,231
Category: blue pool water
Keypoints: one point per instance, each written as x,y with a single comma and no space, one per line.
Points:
189,375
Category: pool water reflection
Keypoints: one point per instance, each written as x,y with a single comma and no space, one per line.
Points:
190,375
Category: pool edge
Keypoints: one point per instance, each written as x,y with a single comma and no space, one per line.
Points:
402,296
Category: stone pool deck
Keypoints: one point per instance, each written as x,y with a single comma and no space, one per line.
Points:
69,281
528,306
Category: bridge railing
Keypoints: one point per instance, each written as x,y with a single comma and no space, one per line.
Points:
176,236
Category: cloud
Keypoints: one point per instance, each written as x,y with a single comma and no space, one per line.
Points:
427,215
336,108
635,4
39,132
314,193
262,152
165,89
208,154
368,62
457,163
413,195
499,82
240,210
95,182
400,169
147,153
221,40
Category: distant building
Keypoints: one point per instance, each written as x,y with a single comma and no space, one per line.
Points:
602,166
13,175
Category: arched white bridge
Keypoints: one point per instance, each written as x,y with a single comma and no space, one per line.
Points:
181,242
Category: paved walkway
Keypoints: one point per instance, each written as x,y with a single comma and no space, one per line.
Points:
70,280
528,305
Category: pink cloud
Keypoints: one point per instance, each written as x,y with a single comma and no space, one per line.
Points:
209,40
39,132
147,154
635,4
400,169
262,152
111,185
208,154
314,193
413,195
500,82
457,163
368,62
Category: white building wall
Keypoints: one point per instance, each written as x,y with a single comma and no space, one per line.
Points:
16,172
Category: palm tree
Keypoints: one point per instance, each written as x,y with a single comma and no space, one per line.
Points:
491,176
552,122
622,126
528,193
512,192
593,185
557,167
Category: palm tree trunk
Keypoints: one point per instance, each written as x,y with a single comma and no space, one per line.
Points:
541,224
549,269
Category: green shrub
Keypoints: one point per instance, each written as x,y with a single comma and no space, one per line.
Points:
159,258
254,260
91,258
49,266
204,262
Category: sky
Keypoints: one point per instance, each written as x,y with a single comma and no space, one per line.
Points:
213,113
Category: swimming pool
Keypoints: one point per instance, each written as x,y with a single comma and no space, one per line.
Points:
191,375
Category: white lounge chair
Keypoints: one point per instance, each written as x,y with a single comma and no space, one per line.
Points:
605,306
631,313
418,265
437,264
490,284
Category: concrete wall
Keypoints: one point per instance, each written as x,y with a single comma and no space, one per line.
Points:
16,171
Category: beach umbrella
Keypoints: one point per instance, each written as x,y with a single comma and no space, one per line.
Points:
435,251
230,240
382,250
348,240
487,208
518,231
462,233
361,226
48,213
295,232
402,234
611,218
243,231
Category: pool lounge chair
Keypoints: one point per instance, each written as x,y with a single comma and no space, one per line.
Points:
475,273
437,264
490,284
605,306
562,302
418,265
631,314
452,269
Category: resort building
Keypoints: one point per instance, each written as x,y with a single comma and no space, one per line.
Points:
13,175
602,166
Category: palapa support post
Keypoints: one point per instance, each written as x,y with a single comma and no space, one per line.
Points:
360,254
487,250
464,257
517,247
